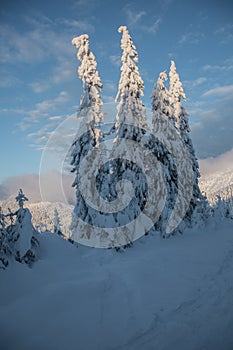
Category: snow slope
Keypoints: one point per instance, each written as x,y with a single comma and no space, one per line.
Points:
162,294
217,183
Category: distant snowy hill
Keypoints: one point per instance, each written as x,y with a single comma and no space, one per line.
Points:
217,183
161,294
43,214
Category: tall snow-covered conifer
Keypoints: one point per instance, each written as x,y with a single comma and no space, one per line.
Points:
181,121
161,114
90,112
130,124
131,86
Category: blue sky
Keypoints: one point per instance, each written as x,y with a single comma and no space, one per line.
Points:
39,86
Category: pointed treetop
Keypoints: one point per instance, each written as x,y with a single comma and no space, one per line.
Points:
160,99
87,70
122,29
81,40
176,88
21,198
130,80
159,87
161,80
91,103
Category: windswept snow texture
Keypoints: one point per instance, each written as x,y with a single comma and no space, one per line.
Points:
159,295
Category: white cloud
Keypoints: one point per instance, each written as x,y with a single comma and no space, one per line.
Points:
116,60
165,4
83,8
108,99
226,65
221,163
155,26
55,118
184,38
221,91
63,72
133,17
209,67
41,41
213,128
195,107
80,25
56,135
108,85
46,106
140,20
54,190
191,38
42,110
226,33
199,81
170,54
9,81
39,87
196,82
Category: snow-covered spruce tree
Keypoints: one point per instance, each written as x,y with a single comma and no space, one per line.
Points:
89,133
180,116
57,224
22,235
129,126
161,114
18,239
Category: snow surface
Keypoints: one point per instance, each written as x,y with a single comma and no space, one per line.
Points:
160,294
